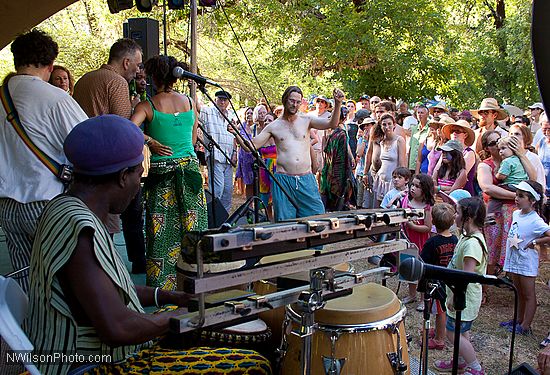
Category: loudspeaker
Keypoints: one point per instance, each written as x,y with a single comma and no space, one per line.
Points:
524,369
214,205
145,31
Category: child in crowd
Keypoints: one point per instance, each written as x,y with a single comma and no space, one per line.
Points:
528,230
421,195
470,255
511,171
450,173
438,250
400,179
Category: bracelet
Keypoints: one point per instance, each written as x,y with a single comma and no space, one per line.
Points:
148,141
157,297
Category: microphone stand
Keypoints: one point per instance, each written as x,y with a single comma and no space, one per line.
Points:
428,289
459,302
254,152
210,147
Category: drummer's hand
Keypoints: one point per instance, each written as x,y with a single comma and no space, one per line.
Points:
181,299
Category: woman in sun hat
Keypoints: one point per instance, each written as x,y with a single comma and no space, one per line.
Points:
438,109
462,132
429,154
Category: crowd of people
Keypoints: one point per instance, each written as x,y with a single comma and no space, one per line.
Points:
333,154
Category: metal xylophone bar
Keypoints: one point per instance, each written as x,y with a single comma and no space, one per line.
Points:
212,282
269,239
253,305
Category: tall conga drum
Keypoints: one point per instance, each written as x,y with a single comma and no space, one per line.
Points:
358,334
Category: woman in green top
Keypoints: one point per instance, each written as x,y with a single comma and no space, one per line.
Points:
175,200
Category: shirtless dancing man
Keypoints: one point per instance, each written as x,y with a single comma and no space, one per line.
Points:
291,135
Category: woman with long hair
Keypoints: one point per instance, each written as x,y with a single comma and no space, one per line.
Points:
392,155
245,160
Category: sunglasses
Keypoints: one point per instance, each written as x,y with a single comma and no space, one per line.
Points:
374,102
485,112
457,130
493,143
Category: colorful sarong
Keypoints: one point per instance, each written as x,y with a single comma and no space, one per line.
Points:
175,205
269,155
157,360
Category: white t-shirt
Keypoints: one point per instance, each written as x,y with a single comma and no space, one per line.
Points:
538,137
523,230
48,114
537,164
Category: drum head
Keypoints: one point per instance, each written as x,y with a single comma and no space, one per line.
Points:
367,303
255,326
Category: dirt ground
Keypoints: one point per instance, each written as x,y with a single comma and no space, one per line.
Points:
492,343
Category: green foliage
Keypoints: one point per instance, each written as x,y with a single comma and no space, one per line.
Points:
405,49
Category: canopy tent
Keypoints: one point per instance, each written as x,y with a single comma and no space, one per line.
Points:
19,16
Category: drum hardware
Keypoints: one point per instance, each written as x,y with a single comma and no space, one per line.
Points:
211,282
238,308
333,365
308,302
396,358
428,289
220,314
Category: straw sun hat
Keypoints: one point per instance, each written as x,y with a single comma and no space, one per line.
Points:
463,125
490,104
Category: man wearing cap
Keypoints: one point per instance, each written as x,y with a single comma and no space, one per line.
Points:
221,178
536,112
291,135
105,91
82,298
317,137
47,114
364,100
488,113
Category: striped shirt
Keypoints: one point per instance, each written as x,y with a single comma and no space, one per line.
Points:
216,126
103,92
51,325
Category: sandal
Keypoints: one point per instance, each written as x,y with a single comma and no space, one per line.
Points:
447,366
434,344
408,299
507,323
544,343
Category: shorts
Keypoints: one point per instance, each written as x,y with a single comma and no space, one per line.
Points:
305,192
464,326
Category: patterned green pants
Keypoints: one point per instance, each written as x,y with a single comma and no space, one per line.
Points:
175,205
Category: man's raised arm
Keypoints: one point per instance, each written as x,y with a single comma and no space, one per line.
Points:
258,141
323,124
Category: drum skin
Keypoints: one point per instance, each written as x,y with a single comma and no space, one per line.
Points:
365,352
274,318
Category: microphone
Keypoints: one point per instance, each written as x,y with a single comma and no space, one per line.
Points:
412,269
179,72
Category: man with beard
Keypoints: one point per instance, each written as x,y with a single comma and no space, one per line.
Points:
291,135
488,114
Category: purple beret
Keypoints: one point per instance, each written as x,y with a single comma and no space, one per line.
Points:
103,145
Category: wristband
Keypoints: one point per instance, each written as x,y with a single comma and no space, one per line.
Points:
148,140
157,297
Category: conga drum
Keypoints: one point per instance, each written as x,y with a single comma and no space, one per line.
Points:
274,318
359,333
